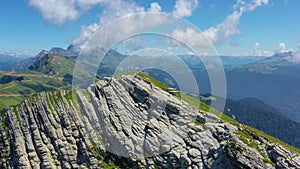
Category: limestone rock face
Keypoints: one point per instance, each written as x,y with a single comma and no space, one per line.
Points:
128,122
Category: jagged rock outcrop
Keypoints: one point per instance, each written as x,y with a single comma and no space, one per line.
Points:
128,122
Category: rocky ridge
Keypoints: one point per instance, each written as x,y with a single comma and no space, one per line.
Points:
128,122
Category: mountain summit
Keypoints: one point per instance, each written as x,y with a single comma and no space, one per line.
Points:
129,122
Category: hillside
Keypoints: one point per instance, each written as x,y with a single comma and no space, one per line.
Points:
278,88
256,113
129,122
45,72
55,65
274,80
15,87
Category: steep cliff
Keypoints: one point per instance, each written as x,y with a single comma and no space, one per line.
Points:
128,122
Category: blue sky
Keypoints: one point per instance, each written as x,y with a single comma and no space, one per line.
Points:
33,25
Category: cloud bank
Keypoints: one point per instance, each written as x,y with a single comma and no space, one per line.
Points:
56,11
184,8
223,31
61,11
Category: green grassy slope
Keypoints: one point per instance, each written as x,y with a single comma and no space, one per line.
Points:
49,73
14,92
55,65
247,130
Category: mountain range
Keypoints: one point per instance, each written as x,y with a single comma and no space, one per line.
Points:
7,61
130,122
274,80
262,89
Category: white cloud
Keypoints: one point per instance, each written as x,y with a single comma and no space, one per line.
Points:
85,33
112,10
192,37
60,11
228,27
221,32
248,7
118,8
56,11
184,8
155,7
281,48
87,4
216,34
130,25
257,46
257,51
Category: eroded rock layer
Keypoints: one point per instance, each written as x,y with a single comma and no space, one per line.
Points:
128,122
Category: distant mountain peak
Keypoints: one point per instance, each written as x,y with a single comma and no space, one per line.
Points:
57,49
42,52
73,48
40,55
71,51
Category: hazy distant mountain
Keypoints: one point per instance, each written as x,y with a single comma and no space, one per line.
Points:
275,80
53,65
109,63
22,65
228,62
234,61
256,113
70,52
8,60
286,63
26,63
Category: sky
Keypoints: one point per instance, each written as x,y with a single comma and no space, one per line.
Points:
234,27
